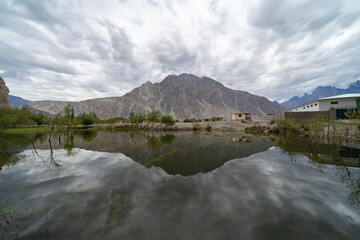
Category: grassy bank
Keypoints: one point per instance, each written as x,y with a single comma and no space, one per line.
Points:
320,130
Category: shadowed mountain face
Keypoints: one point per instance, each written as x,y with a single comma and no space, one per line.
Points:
321,92
182,96
17,101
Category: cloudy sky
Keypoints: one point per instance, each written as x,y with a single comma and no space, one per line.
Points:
80,49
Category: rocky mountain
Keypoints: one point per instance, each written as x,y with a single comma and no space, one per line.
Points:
321,92
15,101
182,96
4,92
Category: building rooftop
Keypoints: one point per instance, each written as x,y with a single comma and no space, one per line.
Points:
349,95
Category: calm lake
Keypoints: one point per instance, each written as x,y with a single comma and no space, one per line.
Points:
88,184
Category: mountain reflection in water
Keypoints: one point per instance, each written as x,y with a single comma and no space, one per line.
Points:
184,154
93,185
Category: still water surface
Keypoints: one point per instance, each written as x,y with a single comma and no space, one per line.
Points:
103,185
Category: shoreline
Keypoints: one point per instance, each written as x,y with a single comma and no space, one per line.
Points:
178,126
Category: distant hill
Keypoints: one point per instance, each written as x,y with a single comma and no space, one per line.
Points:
182,96
321,92
17,101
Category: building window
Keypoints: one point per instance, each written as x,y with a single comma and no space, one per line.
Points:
334,102
315,104
307,106
303,107
311,105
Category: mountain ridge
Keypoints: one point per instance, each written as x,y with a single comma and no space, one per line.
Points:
182,96
320,92
16,101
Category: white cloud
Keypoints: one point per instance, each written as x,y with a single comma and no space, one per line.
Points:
75,50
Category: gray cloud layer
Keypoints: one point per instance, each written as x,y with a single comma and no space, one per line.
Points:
74,50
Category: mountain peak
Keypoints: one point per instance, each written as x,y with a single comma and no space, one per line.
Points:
182,76
191,80
320,92
147,83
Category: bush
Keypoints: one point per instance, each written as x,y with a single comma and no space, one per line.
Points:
167,120
136,117
187,120
88,119
38,118
11,117
154,116
288,125
114,120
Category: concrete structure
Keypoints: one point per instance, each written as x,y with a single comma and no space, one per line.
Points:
240,116
213,119
301,116
217,119
206,120
324,104
269,116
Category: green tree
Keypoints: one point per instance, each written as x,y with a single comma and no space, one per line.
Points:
132,117
167,120
88,119
154,116
13,117
69,114
137,117
38,118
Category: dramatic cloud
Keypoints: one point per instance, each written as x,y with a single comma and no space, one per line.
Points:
75,50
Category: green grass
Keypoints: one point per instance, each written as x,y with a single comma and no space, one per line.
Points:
120,128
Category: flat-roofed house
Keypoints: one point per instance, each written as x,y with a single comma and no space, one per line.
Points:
240,116
213,119
217,119
351,100
206,120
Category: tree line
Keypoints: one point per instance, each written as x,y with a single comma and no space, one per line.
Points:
14,117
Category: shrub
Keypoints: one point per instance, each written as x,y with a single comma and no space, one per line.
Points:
38,118
154,116
88,119
114,120
167,120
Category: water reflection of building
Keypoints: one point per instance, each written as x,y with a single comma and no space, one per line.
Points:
242,139
322,153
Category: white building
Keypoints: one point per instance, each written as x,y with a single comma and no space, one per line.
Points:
324,104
